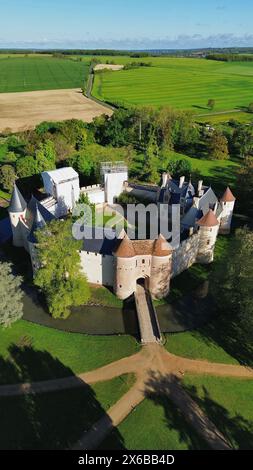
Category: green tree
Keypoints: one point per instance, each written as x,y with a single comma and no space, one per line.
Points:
233,288
150,170
60,276
244,187
7,177
45,156
250,108
211,104
218,146
242,141
179,168
11,306
27,166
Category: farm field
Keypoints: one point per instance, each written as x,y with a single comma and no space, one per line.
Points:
179,82
22,111
41,73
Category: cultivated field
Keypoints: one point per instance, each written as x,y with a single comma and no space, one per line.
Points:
41,73
181,83
22,111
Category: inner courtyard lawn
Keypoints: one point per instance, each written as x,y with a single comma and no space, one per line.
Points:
30,352
56,420
228,403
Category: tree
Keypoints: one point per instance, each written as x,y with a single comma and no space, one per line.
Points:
233,286
150,170
45,156
11,306
179,168
218,146
242,141
7,177
250,108
27,166
211,104
244,187
60,276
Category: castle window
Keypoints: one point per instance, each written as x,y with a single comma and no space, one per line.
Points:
208,242
120,286
143,261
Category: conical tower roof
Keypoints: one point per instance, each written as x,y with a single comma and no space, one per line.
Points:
161,247
17,204
208,220
125,248
38,223
228,196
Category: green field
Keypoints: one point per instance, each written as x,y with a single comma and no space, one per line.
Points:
41,73
179,82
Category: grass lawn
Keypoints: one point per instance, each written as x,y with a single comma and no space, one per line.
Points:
221,171
228,403
41,73
154,426
195,345
182,83
220,118
56,420
103,296
30,352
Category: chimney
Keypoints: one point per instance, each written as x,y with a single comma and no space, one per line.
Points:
164,179
196,202
181,181
200,184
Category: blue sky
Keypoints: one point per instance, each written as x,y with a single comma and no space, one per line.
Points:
126,23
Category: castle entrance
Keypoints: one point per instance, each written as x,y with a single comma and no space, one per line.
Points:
144,282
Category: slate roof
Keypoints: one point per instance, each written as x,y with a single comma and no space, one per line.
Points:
17,204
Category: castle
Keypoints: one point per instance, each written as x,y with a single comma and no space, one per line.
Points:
118,261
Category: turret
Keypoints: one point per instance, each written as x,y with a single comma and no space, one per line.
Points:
159,284
227,203
17,211
208,231
125,261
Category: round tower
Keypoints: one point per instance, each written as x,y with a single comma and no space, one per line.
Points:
161,265
125,263
17,212
227,205
208,231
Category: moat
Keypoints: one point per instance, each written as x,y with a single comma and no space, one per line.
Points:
190,312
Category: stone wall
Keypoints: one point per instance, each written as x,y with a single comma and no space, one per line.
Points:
185,255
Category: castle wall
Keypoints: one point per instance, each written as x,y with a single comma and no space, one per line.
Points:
159,284
225,217
114,183
185,255
98,268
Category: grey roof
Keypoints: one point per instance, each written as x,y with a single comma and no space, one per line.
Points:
34,204
207,201
17,204
190,217
99,240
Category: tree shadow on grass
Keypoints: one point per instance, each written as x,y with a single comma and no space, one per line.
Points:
50,420
236,429
158,389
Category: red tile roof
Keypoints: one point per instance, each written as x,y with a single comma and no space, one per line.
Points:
228,196
208,220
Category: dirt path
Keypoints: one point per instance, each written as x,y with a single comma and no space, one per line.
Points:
22,111
157,371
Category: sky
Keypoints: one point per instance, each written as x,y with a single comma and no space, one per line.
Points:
126,24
